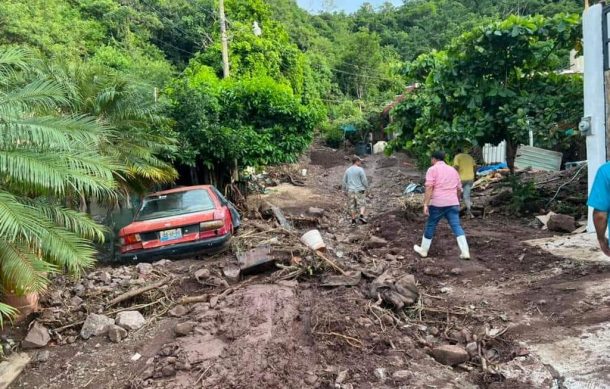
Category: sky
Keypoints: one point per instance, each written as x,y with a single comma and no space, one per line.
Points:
342,5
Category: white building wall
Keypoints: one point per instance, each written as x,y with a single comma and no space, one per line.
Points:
494,154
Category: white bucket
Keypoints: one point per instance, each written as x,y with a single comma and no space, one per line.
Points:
313,240
304,172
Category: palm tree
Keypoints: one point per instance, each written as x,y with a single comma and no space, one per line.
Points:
141,133
44,157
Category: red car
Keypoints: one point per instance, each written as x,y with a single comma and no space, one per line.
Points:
179,222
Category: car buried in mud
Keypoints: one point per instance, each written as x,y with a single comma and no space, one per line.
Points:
179,222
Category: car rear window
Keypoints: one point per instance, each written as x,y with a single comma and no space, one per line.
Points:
174,204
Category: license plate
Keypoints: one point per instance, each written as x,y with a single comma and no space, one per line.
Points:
166,235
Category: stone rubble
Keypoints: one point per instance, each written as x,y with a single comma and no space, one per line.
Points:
37,337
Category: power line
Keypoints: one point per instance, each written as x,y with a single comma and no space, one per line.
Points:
172,46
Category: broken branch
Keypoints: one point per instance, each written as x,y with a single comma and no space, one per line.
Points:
348,339
138,291
330,262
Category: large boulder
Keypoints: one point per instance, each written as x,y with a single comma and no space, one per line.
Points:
95,325
37,337
130,320
561,223
450,355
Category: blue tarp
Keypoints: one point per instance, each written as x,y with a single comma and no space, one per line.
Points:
349,128
491,168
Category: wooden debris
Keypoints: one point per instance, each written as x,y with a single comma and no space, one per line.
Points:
138,291
350,340
279,215
254,258
331,263
194,299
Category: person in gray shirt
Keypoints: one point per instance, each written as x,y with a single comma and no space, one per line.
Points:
356,184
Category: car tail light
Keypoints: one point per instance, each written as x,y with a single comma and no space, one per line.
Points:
131,239
211,225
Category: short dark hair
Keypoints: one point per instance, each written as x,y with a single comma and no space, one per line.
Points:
438,155
356,159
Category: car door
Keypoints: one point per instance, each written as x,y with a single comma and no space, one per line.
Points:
235,217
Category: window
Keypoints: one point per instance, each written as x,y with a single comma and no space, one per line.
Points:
174,204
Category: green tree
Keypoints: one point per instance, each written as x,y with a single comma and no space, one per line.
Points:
254,120
493,83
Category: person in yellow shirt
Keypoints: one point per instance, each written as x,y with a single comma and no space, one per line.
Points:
466,166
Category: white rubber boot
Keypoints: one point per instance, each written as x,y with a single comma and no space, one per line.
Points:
424,248
465,251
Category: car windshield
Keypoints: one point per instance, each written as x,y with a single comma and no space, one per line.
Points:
173,204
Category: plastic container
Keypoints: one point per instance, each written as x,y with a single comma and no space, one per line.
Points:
313,240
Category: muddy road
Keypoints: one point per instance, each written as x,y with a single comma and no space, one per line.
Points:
536,320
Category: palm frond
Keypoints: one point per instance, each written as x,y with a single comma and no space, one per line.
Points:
57,169
21,270
40,94
67,251
7,312
77,222
17,221
48,131
29,235
13,59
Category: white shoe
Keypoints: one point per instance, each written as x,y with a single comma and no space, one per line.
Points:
424,248
463,244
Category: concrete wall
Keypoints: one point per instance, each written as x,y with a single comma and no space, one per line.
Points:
595,104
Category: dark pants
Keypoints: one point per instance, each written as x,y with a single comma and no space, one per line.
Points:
452,214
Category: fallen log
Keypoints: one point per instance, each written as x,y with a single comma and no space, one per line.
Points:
138,291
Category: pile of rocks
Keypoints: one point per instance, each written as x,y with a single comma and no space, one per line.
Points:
70,300
116,329
95,325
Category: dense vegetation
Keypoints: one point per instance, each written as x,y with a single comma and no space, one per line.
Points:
496,82
103,99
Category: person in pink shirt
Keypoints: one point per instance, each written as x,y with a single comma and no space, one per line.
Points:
442,200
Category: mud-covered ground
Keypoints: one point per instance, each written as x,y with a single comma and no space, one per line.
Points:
523,306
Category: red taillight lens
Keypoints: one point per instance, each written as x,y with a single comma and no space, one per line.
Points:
211,225
131,239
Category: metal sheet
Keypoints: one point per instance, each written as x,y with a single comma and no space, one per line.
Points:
537,158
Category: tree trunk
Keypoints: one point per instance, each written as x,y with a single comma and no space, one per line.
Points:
511,151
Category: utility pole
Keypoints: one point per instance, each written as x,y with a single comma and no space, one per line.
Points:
225,69
223,36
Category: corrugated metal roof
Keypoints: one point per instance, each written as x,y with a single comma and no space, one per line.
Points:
537,158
